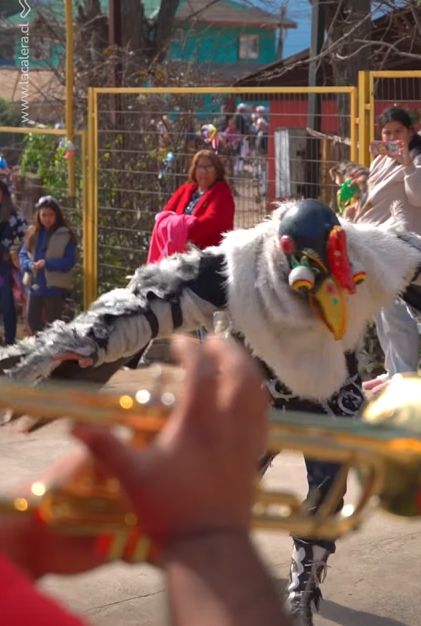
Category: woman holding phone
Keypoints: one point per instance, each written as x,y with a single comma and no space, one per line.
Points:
395,177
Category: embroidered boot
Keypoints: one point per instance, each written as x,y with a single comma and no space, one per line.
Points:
308,570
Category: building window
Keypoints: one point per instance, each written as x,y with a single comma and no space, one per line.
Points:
178,35
41,49
248,46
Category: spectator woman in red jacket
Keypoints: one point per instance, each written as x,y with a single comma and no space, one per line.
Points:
208,197
202,210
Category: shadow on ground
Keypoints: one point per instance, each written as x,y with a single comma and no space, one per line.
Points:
343,615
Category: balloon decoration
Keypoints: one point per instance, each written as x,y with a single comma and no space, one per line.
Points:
167,162
208,131
69,148
4,169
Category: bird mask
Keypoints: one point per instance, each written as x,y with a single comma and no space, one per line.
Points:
311,237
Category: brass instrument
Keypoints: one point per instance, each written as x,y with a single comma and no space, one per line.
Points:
384,447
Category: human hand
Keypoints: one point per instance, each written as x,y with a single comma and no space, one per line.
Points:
403,157
38,265
38,550
198,474
35,547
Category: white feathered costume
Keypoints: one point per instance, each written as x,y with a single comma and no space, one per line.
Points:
298,290
247,275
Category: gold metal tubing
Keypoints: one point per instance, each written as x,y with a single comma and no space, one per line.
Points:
384,447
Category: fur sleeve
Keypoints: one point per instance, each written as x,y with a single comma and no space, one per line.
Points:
181,292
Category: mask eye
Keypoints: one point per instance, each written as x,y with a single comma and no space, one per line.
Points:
358,273
301,279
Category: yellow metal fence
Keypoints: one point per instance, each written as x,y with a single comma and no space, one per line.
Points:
376,92
140,142
37,161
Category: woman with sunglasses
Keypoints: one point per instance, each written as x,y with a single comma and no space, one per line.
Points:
198,213
47,257
207,197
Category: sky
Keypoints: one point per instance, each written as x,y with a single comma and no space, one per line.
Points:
299,11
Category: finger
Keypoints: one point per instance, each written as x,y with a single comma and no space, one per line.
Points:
199,390
117,459
235,364
241,378
243,397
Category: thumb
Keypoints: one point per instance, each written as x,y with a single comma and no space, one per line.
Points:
114,456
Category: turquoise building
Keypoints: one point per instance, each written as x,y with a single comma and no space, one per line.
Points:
228,38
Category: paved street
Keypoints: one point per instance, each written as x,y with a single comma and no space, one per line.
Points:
374,580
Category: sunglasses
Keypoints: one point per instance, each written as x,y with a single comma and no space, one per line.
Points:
47,202
205,168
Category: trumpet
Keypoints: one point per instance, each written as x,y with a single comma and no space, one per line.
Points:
383,446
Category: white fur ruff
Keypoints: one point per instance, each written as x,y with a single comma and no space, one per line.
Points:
278,324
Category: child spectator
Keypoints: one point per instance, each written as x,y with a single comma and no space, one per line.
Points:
47,258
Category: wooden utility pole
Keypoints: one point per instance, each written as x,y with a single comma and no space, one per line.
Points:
282,32
115,40
314,112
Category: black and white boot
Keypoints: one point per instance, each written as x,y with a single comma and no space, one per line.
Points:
308,570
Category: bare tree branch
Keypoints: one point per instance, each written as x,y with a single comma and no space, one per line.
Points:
350,40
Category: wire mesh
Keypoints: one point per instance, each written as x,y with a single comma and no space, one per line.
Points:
146,141
38,167
397,89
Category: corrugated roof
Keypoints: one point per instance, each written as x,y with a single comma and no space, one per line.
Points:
42,83
293,70
225,11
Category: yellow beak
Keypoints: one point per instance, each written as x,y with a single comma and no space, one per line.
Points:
330,304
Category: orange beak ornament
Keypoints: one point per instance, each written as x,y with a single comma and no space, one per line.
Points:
325,275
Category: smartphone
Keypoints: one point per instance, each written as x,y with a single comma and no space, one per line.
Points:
384,148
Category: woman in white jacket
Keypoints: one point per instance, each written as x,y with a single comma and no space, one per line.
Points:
392,179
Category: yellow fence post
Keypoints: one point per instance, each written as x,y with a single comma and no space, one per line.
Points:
86,222
364,118
353,109
91,221
372,111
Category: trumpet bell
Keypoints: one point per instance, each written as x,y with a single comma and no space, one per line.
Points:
398,408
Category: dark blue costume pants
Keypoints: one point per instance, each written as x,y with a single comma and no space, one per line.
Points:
345,404
7,303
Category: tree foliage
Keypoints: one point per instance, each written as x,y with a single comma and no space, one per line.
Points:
129,155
